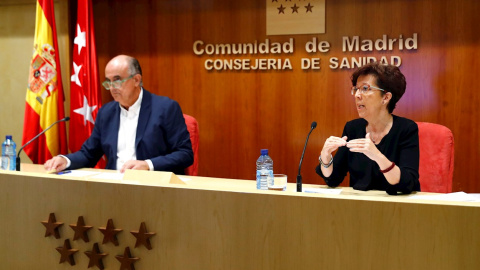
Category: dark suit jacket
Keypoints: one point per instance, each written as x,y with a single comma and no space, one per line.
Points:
162,136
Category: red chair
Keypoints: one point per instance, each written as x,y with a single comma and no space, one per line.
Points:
436,157
192,127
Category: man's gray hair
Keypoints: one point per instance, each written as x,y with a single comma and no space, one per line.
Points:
134,68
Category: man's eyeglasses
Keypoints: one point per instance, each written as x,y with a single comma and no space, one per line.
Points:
115,84
365,89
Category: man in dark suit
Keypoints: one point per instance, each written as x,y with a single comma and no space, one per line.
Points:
139,130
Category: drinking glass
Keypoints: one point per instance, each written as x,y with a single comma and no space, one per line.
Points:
279,182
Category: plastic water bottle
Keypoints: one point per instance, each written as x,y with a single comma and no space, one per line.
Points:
264,170
9,157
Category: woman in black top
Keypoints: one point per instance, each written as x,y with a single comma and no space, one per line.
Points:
379,150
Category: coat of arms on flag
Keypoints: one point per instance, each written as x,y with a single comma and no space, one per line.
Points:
287,17
43,73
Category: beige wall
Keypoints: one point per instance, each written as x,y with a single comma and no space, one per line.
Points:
17,28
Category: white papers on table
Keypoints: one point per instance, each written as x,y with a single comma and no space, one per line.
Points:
78,173
455,196
323,190
109,176
184,179
475,195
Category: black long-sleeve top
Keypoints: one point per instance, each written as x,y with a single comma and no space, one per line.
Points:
400,145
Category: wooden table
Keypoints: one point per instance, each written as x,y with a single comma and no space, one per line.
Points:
213,223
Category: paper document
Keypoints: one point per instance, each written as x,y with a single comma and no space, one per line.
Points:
77,173
323,190
455,197
184,179
109,176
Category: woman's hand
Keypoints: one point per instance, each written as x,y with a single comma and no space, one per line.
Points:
365,146
330,146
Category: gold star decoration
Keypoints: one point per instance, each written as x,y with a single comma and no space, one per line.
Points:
95,257
80,230
52,226
143,237
110,233
67,252
127,260
294,8
281,9
309,8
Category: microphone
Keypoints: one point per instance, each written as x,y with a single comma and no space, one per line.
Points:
34,138
299,176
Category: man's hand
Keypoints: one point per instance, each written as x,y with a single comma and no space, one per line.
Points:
135,165
55,164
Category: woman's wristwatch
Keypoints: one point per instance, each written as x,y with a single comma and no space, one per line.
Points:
329,163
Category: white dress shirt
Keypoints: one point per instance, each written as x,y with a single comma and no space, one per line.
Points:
127,132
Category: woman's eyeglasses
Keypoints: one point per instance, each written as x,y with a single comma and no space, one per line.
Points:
365,89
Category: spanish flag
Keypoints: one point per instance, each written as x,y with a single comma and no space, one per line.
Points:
44,101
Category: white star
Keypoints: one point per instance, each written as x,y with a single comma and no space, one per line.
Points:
74,77
79,39
86,111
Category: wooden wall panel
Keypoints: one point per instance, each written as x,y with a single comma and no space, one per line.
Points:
241,112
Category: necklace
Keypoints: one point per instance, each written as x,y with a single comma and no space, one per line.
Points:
380,134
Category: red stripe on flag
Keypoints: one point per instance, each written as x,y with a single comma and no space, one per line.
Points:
48,11
37,150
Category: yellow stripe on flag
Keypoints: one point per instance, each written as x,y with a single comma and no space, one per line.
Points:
43,35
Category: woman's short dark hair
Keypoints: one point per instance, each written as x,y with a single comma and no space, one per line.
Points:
388,77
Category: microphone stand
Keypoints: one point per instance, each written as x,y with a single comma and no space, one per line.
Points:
34,138
299,176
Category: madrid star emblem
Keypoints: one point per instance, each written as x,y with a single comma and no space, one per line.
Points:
86,111
80,39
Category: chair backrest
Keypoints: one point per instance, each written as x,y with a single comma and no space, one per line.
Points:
436,157
192,127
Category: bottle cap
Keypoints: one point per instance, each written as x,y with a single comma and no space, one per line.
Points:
8,137
264,152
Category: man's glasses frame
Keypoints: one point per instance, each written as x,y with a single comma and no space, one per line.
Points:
116,84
